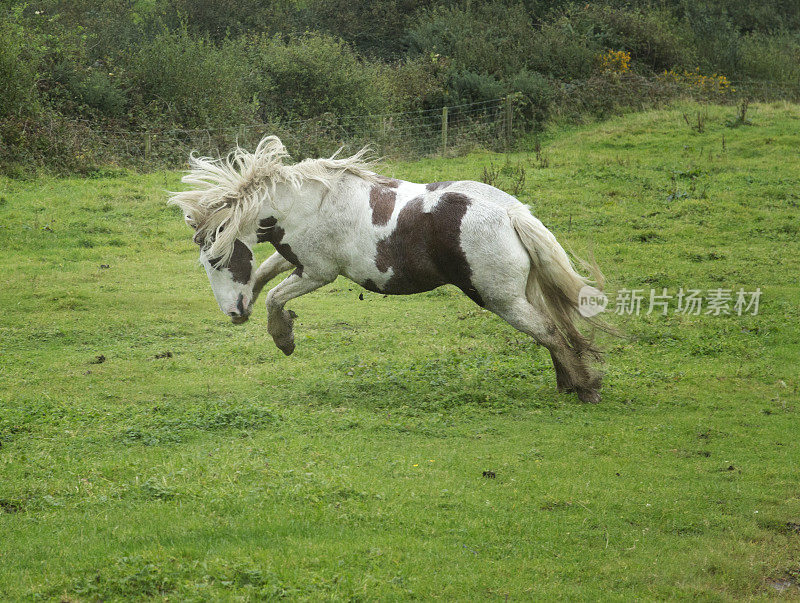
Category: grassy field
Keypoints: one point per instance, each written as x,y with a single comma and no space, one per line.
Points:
150,449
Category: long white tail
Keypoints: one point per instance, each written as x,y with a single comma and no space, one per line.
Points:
553,283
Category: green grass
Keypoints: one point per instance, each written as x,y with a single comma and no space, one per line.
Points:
354,468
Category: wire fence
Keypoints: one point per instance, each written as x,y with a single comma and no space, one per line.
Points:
449,130
491,124
603,95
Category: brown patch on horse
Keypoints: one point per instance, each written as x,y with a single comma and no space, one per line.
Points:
270,233
240,264
435,186
390,182
381,200
266,229
370,285
424,251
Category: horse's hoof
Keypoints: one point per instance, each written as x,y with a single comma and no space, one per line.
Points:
590,396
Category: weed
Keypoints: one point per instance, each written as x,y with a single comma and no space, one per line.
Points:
699,122
740,119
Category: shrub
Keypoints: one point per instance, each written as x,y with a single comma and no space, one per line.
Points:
416,83
223,19
605,94
376,28
75,89
775,58
695,81
314,74
716,39
470,87
651,36
189,81
765,16
614,61
554,49
98,90
536,95
18,71
490,39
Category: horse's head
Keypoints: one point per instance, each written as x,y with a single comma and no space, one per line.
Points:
223,207
232,278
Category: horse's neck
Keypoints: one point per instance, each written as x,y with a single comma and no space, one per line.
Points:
290,204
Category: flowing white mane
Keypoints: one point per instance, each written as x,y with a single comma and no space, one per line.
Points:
227,194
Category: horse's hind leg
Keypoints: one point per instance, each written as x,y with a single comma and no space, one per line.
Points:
572,372
563,382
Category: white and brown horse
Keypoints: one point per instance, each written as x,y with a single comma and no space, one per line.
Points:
331,217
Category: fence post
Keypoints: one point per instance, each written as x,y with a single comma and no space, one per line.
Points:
148,141
509,120
444,131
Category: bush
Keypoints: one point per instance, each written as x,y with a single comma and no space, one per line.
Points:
314,74
376,28
189,81
490,39
555,50
536,95
774,58
223,19
470,87
73,89
18,71
98,90
765,16
416,83
716,39
653,37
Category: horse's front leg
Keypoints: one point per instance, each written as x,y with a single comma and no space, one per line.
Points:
268,270
279,321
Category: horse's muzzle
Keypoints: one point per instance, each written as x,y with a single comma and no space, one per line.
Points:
241,313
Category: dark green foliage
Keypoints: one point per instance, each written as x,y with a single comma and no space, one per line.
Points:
18,66
468,87
93,91
417,83
489,39
376,28
743,15
535,94
554,49
100,91
716,39
221,19
774,58
311,75
654,38
184,79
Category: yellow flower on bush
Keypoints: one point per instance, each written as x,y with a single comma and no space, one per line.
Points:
708,84
614,61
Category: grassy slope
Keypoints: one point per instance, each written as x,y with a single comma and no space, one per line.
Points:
354,468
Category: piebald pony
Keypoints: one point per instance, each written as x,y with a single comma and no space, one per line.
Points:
336,216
